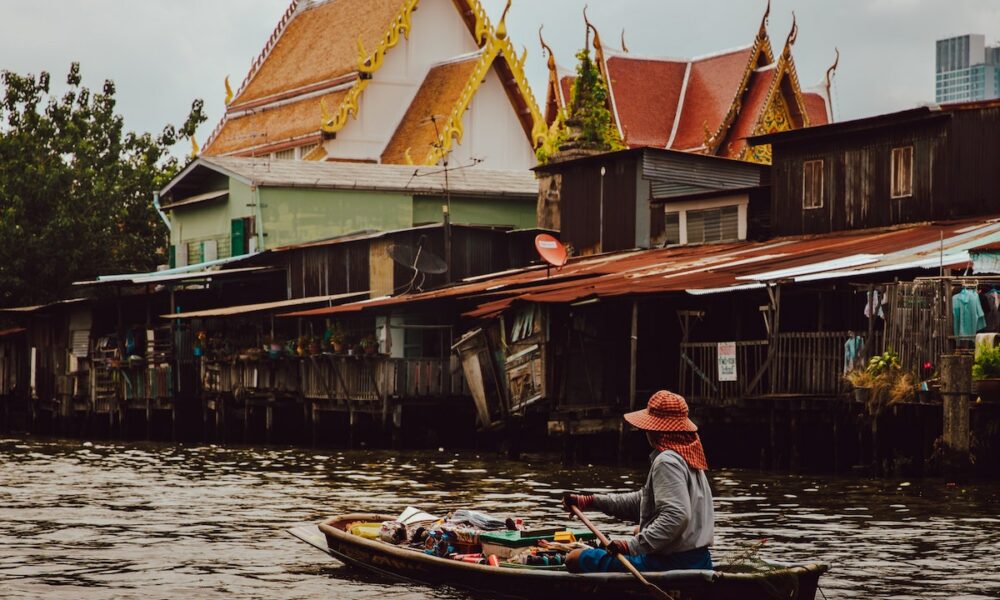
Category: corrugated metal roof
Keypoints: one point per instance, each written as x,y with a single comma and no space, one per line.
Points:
716,268
244,309
154,278
473,181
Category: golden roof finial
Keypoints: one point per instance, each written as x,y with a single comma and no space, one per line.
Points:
762,32
229,91
194,147
624,46
792,35
502,26
829,72
546,48
590,27
409,159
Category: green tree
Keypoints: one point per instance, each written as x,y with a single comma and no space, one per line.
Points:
76,188
589,107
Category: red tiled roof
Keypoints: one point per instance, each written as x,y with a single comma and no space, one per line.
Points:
712,86
816,108
647,93
437,95
760,84
566,83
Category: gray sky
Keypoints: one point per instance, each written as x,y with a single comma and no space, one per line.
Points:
164,53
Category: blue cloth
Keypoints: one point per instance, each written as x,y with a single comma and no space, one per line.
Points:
968,314
854,353
596,560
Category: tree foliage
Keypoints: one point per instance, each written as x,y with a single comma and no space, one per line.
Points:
75,187
589,107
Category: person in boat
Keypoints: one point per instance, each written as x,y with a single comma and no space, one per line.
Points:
674,508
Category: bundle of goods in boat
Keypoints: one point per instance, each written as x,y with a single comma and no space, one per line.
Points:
474,537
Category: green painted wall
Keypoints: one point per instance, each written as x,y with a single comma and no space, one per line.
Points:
292,216
196,224
511,212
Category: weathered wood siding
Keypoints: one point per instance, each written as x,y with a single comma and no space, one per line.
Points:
580,199
857,173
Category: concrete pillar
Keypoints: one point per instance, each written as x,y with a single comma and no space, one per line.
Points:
956,389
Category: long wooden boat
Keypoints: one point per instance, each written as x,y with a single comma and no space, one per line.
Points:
332,537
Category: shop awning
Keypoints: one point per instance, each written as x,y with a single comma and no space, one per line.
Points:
245,309
155,278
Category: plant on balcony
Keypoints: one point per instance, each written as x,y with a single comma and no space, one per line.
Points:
890,384
369,344
986,372
336,338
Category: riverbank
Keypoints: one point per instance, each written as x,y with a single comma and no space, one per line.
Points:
144,520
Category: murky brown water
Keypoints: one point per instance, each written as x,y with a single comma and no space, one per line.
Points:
114,520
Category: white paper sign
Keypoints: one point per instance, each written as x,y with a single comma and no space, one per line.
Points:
727,361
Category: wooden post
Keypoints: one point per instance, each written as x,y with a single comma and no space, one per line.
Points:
623,429
956,389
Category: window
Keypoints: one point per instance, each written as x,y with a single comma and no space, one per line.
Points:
672,228
285,154
812,184
902,172
713,225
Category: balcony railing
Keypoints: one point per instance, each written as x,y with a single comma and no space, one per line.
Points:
806,363
334,377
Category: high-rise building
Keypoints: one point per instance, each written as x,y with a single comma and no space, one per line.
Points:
967,69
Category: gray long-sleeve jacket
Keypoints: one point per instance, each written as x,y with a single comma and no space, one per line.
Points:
674,508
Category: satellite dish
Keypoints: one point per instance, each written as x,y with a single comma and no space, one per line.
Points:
419,260
551,250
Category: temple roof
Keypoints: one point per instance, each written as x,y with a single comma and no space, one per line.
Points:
309,78
713,85
417,133
284,123
310,51
647,94
707,104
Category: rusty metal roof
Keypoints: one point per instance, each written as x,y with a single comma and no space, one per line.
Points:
714,268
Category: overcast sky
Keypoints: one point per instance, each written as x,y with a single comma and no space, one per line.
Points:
164,53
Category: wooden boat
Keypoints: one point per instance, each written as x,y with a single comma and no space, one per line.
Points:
331,536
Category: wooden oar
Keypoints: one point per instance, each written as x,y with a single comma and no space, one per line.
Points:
650,587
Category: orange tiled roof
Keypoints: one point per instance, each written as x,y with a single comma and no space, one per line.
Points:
647,94
437,95
320,44
265,127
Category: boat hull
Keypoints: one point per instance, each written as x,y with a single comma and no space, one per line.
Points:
793,583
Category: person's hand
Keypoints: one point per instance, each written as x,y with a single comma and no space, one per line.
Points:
617,547
581,501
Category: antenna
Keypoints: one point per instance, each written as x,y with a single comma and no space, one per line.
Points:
422,262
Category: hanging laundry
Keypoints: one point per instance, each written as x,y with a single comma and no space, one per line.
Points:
854,353
967,314
992,303
874,304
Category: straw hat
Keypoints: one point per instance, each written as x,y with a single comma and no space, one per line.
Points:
666,411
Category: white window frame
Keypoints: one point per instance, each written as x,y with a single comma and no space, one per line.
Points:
900,193
808,166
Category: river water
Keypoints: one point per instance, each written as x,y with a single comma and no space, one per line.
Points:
135,520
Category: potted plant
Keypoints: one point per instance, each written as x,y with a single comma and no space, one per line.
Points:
312,346
369,344
986,372
861,384
337,339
